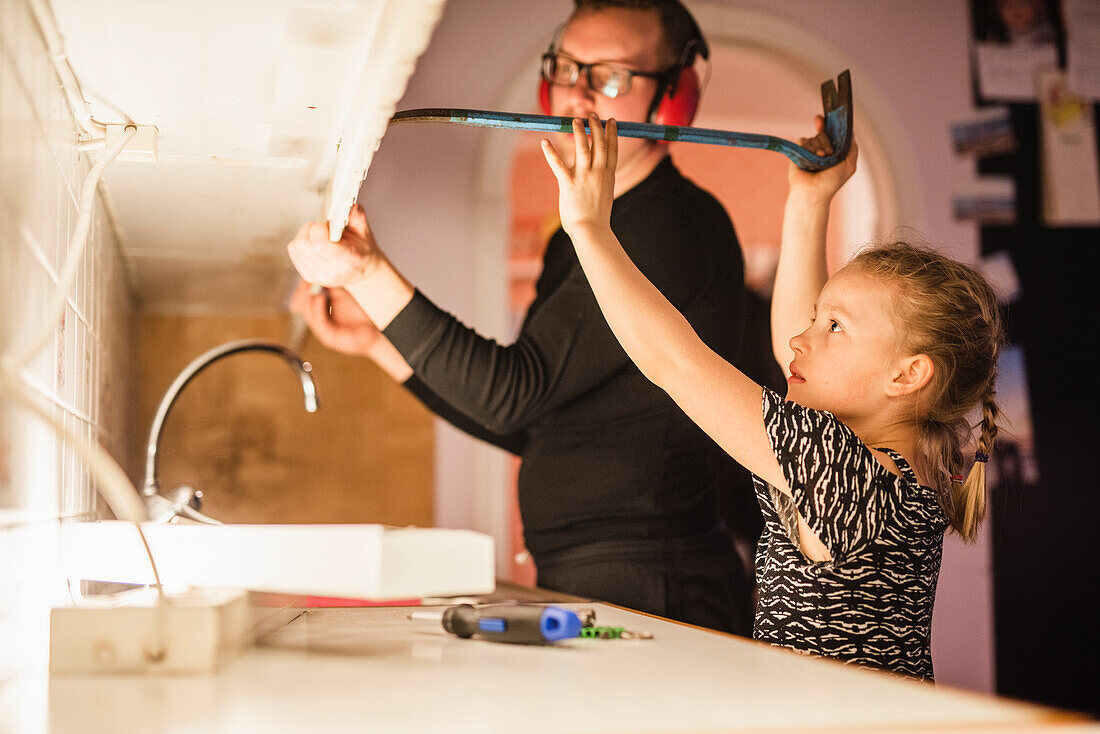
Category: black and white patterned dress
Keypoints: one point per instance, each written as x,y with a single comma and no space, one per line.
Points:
872,603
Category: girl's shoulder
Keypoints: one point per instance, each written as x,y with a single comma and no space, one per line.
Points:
815,443
788,417
923,501
895,463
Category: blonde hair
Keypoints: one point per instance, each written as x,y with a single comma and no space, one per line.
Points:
947,311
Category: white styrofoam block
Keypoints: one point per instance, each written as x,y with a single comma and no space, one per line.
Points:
363,561
380,81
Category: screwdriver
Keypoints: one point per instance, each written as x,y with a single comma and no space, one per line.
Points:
532,624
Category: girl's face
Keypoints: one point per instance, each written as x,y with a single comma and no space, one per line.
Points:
842,360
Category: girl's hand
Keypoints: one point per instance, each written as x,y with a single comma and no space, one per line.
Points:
821,185
335,264
586,190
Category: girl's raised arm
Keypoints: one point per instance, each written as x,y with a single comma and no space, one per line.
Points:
719,398
802,270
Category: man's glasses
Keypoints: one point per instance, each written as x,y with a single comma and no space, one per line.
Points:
610,80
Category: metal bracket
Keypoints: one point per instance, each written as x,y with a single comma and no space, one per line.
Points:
836,99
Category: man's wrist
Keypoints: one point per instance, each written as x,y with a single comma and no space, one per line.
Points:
384,354
382,293
374,269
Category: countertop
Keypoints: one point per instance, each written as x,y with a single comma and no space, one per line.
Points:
373,669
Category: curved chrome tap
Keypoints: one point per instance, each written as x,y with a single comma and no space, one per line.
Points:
185,501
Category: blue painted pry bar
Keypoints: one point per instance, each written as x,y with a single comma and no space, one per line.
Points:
836,101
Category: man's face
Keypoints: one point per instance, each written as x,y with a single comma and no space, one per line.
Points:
630,37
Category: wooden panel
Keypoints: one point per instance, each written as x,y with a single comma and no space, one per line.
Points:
240,433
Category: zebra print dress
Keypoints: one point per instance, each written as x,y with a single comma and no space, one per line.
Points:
872,603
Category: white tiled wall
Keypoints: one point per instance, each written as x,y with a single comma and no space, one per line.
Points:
82,374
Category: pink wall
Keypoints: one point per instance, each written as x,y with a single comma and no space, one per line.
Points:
422,199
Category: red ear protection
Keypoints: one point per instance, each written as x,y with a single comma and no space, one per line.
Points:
677,108
544,96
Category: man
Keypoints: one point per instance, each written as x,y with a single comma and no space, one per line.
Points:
617,487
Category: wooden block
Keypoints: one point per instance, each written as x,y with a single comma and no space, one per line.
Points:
196,632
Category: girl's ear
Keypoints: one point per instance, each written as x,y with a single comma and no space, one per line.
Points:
909,375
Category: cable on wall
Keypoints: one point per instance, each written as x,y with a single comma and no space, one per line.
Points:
55,46
67,277
111,481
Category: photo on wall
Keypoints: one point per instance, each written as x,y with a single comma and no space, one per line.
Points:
987,132
1013,464
1013,41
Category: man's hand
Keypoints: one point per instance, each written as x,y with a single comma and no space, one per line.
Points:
587,188
335,319
335,264
821,185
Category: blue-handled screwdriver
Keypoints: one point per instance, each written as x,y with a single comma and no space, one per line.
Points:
532,624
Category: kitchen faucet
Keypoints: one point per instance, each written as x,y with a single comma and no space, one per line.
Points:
184,501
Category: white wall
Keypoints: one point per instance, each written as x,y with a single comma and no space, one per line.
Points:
81,376
422,195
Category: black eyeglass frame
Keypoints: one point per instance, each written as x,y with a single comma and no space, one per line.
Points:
549,57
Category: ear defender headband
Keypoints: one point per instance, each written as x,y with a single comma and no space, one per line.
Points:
544,85
678,91
677,97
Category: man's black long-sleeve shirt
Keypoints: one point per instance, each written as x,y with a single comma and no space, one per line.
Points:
606,454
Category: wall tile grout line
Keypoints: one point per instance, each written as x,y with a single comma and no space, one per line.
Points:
48,395
34,110
36,250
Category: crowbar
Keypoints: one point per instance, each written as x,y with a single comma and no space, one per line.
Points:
836,99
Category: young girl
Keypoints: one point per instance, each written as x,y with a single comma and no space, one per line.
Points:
857,469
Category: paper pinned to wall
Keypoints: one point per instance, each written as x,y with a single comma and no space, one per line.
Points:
1013,42
1006,73
1070,175
1083,47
